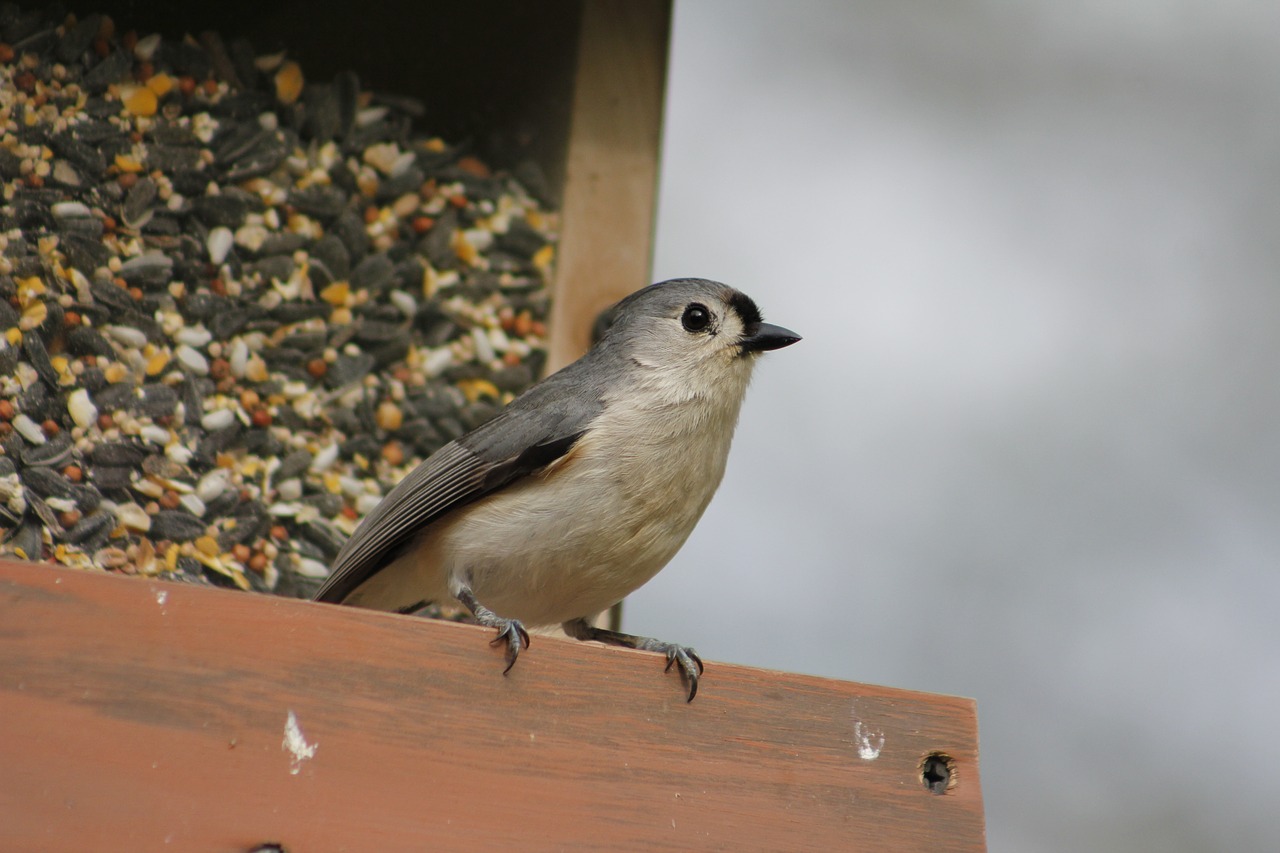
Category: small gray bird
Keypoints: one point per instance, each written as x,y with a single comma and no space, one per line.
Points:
582,488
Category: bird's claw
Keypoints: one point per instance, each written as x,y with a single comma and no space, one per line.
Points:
515,636
690,665
510,631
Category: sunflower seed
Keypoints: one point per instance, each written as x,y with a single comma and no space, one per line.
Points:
91,531
175,525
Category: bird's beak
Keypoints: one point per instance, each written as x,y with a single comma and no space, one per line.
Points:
768,336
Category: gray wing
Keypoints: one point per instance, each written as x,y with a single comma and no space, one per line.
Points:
535,430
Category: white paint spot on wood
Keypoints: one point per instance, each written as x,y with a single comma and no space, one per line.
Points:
869,741
867,750
295,744
162,596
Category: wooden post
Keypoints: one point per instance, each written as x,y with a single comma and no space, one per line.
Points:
147,715
611,180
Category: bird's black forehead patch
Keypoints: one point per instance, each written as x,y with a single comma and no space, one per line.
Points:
745,308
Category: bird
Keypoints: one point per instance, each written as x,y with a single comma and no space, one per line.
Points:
582,488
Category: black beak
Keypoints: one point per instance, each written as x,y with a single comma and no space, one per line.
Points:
766,337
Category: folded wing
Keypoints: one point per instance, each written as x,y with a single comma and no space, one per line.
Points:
524,438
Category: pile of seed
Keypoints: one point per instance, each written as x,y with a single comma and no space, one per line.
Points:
236,306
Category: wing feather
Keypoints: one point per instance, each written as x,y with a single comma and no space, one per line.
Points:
459,473
451,477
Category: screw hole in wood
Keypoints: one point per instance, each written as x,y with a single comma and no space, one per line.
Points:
938,772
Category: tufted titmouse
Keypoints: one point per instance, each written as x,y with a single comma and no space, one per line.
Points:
582,488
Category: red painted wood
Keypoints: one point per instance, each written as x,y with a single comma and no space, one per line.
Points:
149,715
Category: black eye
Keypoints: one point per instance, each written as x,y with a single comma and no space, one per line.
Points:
695,318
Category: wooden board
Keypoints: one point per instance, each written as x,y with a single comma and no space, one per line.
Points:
146,715
611,174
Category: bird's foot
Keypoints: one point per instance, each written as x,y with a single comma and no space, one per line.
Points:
690,664
510,631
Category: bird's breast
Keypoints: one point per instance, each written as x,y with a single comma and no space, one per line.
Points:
589,529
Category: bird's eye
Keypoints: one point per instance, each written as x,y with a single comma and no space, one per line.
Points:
696,318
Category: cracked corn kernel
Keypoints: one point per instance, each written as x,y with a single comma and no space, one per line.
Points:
141,102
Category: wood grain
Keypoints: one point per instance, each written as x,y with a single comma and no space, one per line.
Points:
150,715
611,174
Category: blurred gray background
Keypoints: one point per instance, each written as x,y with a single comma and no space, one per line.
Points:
1029,449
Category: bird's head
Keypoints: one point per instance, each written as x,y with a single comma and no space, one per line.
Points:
698,334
